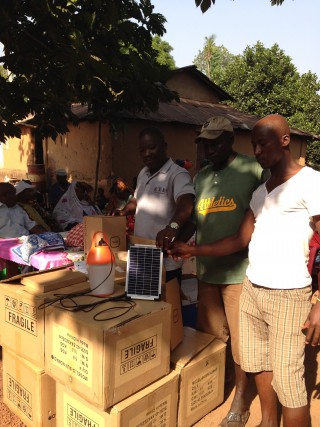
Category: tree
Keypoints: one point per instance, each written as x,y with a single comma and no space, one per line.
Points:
88,51
261,80
264,81
163,50
306,116
212,59
206,4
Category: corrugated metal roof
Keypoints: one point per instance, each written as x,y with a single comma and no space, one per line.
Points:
189,112
195,113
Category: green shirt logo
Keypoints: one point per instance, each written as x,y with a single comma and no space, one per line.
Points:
214,204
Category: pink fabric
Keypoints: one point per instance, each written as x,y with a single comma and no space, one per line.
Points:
314,245
40,261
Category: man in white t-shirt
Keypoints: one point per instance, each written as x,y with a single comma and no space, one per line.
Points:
163,199
276,319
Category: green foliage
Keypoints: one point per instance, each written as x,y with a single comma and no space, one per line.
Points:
307,113
163,50
88,51
261,80
265,81
206,4
212,59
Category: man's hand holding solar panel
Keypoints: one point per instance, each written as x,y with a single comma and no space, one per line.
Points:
167,236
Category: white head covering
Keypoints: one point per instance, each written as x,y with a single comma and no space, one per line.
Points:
70,209
61,172
21,186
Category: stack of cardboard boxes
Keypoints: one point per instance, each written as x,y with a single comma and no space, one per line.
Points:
121,364
27,389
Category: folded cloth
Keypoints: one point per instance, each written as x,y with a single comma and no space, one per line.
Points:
35,243
75,237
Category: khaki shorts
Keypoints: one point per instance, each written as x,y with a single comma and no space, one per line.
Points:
218,313
271,338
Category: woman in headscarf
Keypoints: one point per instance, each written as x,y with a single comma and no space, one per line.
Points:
74,205
120,194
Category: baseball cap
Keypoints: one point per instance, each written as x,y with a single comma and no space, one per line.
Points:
214,127
61,172
21,186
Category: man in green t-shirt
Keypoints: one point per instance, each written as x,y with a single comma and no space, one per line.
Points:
223,192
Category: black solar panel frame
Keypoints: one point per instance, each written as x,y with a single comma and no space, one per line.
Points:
143,280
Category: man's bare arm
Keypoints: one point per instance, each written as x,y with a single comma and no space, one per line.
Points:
222,247
183,211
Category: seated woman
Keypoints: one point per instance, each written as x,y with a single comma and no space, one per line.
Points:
27,199
74,205
120,194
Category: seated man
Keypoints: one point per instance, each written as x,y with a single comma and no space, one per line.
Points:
15,222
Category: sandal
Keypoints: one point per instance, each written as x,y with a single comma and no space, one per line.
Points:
234,417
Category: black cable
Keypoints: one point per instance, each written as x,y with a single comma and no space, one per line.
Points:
61,298
130,305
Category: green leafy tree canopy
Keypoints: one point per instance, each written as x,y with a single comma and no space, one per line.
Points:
87,51
212,59
261,80
264,80
163,50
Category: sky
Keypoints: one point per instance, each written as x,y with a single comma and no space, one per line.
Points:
294,26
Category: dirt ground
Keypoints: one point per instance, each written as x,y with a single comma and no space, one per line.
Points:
312,364
7,418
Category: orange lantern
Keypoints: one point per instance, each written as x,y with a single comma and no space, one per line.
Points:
100,265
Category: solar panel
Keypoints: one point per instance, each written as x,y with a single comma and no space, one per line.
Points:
144,271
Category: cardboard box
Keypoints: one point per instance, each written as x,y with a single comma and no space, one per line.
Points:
108,360
22,323
200,361
153,406
171,294
113,226
28,391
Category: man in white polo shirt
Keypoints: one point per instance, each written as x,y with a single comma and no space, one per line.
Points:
163,199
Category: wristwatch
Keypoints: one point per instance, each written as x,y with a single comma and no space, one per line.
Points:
174,225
